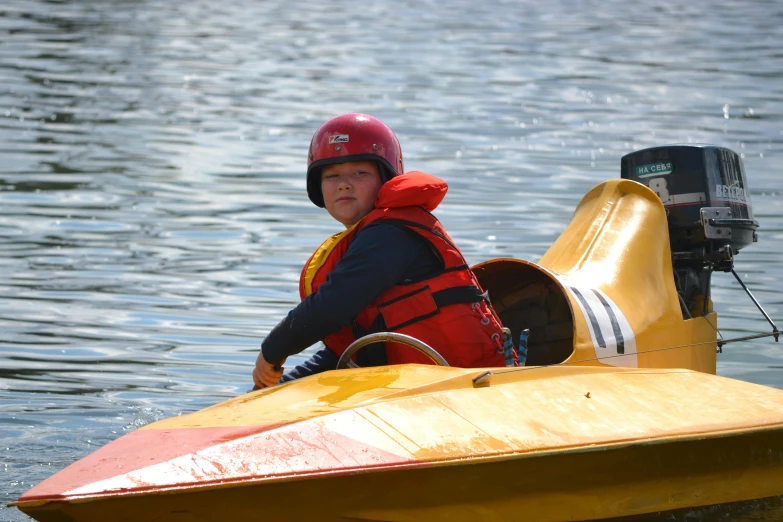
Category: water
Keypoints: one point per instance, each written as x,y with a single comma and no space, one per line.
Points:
153,218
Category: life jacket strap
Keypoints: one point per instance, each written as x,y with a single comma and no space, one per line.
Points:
449,296
459,295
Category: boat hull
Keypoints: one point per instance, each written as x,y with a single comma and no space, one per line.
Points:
418,442
580,484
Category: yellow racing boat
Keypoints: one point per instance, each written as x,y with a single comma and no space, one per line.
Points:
617,412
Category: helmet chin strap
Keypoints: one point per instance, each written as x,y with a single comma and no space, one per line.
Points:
385,171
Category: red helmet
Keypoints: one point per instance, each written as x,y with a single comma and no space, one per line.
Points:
351,137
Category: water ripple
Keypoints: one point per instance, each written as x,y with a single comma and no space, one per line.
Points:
153,219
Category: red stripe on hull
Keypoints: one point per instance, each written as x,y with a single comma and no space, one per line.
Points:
134,451
202,457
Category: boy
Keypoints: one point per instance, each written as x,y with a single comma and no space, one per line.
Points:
394,268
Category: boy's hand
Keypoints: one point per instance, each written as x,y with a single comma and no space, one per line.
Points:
266,374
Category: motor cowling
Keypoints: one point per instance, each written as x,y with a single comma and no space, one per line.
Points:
708,208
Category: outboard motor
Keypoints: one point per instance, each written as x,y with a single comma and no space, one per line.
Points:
704,191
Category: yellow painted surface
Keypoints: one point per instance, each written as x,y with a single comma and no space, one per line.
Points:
313,396
618,242
524,409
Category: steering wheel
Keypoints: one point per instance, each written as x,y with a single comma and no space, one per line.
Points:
380,337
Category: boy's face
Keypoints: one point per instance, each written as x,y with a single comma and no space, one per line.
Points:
350,190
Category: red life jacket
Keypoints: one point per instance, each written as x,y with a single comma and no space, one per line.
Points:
449,311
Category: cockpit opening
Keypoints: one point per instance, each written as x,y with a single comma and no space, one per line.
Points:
527,297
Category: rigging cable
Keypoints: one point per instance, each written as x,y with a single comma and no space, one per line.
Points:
756,335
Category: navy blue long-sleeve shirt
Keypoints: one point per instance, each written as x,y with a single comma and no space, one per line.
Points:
380,256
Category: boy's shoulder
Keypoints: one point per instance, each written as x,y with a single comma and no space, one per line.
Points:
388,235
